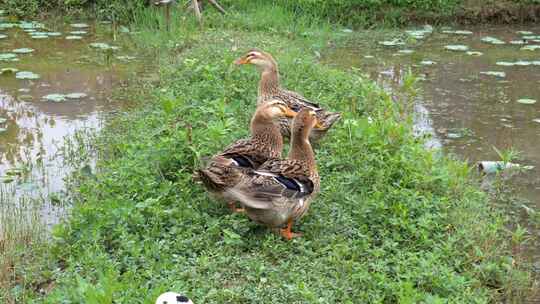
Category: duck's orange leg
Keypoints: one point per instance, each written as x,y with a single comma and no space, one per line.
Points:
287,233
232,206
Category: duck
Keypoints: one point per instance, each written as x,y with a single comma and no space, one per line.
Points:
280,191
270,89
266,142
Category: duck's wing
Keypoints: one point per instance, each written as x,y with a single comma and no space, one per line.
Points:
246,153
275,181
295,99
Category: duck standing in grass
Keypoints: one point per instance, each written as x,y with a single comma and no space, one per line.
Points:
270,89
226,168
280,191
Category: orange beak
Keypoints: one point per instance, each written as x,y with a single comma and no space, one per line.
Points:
290,113
241,60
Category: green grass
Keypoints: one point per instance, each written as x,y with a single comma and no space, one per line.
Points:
394,223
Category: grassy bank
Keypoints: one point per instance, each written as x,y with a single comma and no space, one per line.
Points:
356,13
394,223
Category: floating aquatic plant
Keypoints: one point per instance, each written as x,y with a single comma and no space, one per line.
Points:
78,32
2,130
54,34
7,56
474,53
459,32
524,32
406,52
457,47
127,58
394,42
492,40
427,62
73,37
26,75
8,71
23,51
494,73
530,48
55,97
76,95
79,25
2,36
2,120
527,101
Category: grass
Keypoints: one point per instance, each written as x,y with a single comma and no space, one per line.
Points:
394,223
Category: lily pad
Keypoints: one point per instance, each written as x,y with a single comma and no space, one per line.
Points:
524,32
26,75
126,30
8,71
103,46
492,40
73,37
79,25
7,25
427,62
24,90
23,51
7,56
505,63
394,42
76,95
518,42
39,36
530,48
457,47
2,130
494,73
54,34
526,101
406,52
459,32
78,32
127,58
2,120
474,53
30,25
55,97
2,36
536,120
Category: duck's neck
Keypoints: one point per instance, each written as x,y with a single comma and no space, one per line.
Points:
301,150
269,84
267,132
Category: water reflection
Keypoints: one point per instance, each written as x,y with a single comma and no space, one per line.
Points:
31,145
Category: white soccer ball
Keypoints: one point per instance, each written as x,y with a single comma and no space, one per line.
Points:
173,298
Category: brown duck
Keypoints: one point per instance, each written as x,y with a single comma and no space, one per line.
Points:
266,142
270,89
279,192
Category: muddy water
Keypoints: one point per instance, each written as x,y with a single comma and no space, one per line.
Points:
469,113
32,142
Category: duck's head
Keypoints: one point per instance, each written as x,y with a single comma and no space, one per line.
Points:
304,122
173,298
274,110
258,58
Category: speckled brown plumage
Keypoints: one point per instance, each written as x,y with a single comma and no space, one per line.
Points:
226,168
279,192
270,89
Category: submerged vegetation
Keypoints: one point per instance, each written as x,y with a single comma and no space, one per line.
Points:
394,222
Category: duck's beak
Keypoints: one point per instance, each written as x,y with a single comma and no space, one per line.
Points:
241,60
290,113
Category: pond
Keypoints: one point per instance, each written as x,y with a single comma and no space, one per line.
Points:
56,83
480,89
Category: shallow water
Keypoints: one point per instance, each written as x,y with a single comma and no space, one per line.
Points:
32,146
468,112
